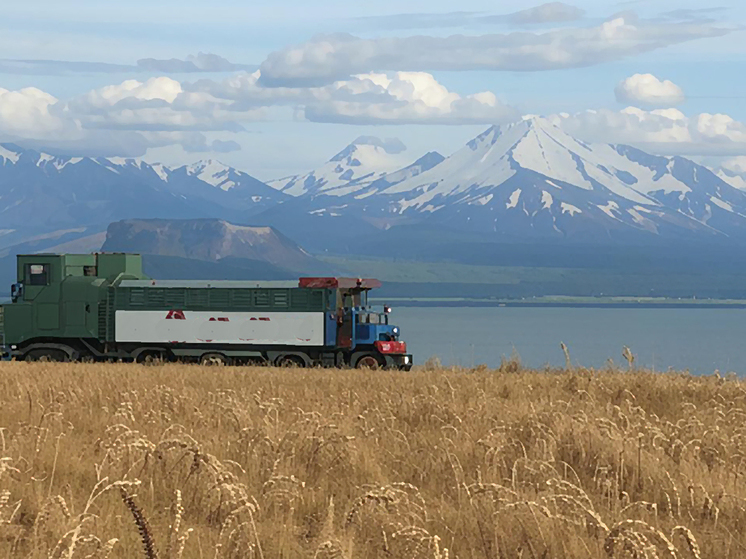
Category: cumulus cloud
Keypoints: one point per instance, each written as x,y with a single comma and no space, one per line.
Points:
397,98
125,120
202,62
330,58
158,104
132,116
666,131
404,98
648,91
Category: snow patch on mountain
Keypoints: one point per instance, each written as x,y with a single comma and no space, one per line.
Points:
9,156
721,204
513,200
569,208
213,173
546,199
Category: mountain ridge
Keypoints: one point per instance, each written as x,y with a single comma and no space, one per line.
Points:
532,180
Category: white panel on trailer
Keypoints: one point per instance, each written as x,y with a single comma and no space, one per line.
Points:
200,327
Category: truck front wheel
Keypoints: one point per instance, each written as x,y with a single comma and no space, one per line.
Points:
369,361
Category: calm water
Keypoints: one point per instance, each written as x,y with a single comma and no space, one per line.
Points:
700,340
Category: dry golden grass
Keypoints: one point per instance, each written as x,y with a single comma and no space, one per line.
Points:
178,461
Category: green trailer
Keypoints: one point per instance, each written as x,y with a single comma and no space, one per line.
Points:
68,307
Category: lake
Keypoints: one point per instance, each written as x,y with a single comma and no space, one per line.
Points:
698,340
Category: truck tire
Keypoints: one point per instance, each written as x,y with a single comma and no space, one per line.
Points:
369,361
290,361
151,357
214,360
47,355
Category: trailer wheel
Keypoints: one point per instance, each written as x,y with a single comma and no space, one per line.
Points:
214,360
369,361
150,357
290,361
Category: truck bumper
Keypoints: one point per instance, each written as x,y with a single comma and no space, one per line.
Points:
5,353
403,362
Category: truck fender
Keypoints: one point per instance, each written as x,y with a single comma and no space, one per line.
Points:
71,353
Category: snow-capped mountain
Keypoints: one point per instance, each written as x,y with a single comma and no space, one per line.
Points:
530,179
526,180
224,185
356,166
42,193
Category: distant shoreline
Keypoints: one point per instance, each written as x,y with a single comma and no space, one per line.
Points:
572,303
561,304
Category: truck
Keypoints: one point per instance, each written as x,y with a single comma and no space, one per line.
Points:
102,307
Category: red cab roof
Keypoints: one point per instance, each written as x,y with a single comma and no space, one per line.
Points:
340,283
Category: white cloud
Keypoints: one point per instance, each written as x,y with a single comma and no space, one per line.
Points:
157,104
125,119
666,131
648,91
404,98
130,117
397,98
331,58
26,113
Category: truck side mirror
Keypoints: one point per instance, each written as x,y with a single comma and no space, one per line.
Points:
16,291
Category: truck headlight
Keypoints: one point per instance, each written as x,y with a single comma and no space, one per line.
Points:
395,331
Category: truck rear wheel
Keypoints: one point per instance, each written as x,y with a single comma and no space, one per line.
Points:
46,355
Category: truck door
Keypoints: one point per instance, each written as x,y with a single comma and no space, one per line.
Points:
344,331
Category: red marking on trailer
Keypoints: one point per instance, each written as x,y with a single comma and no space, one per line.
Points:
175,315
263,318
219,319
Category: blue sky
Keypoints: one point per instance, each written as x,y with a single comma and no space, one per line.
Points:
317,90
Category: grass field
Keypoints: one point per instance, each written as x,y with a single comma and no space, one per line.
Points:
174,461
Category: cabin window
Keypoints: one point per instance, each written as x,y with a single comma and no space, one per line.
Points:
90,271
37,274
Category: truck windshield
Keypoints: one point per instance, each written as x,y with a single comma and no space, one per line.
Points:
372,318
